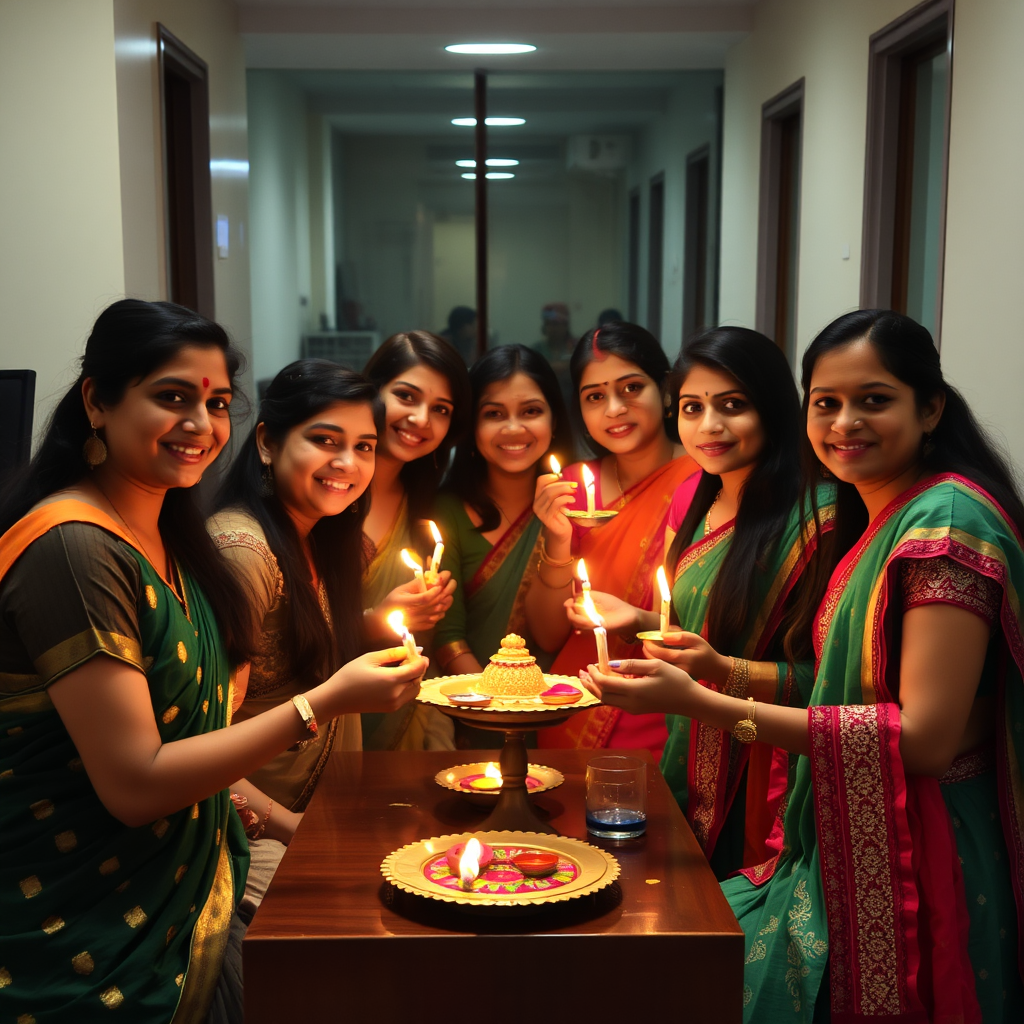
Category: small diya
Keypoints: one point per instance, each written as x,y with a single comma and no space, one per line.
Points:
481,782
656,636
590,518
561,693
523,869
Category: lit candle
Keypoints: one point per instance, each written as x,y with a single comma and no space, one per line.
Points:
469,864
434,564
581,572
396,620
600,633
666,597
555,467
410,560
588,483
490,780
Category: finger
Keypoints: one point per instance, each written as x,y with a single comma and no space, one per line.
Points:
680,638
635,666
388,656
588,681
679,657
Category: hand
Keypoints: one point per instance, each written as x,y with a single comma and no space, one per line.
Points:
694,655
617,614
422,609
645,686
551,496
374,682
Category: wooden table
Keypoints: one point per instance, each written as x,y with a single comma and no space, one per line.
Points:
332,941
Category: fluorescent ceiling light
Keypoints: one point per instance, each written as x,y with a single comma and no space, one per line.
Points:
490,48
493,175
494,162
491,122
229,168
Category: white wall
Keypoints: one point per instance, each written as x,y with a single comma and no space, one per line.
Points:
61,256
827,44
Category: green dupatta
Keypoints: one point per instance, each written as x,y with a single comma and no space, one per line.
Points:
869,877
704,766
95,915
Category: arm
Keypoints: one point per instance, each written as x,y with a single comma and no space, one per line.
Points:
422,609
281,824
938,683
106,707
545,614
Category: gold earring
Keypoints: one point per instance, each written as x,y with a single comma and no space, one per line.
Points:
94,451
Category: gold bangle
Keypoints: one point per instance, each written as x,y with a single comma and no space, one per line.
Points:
445,655
551,586
745,730
547,561
737,682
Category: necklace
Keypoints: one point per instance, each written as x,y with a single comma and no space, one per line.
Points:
618,482
707,518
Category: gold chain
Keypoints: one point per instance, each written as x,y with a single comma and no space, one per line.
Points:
707,518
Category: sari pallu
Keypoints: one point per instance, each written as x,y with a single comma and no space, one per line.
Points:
95,915
704,766
622,557
871,869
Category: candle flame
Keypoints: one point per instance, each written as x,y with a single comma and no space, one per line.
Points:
555,467
588,478
396,620
469,863
581,572
411,561
492,771
666,594
591,609
434,532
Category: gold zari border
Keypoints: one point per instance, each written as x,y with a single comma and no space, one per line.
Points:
70,653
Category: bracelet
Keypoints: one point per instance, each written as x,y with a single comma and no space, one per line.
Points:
249,817
738,679
547,561
551,586
745,730
445,655
306,713
252,834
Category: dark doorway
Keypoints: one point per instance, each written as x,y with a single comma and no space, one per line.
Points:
185,101
633,310
655,254
696,252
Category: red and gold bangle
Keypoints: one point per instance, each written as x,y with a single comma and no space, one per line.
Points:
306,713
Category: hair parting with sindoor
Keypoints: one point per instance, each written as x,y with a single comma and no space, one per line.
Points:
769,494
958,444
467,477
301,391
130,340
629,342
421,477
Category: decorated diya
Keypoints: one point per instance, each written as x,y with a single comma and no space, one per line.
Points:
500,869
482,781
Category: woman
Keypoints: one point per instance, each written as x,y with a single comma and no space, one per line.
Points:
741,547
308,459
617,373
486,513
425,388
898,885
122,856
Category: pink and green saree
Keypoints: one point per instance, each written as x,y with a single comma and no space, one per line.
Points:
908,888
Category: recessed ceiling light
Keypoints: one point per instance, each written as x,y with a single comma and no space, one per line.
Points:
491,122
493,175
495,162
490,48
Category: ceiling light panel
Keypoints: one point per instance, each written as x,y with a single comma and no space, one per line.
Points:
490,48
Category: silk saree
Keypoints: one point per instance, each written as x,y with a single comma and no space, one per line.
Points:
94,915
907,887
705,767
622,556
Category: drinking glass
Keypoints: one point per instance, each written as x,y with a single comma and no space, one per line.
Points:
616,797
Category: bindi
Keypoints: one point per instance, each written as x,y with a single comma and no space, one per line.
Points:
206,382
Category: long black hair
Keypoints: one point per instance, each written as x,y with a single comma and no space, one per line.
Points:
772,489
421,477
467,477
129,341
298,393
627,341
958,444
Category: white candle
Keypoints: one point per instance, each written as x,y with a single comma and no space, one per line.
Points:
581,572
555,467
600,633
588,483
417,569
435,559
666,597
397,622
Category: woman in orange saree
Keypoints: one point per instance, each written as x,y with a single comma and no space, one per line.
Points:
618,372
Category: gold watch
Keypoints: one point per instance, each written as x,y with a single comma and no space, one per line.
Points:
746,730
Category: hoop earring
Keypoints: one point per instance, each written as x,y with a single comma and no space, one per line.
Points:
267,481
94,451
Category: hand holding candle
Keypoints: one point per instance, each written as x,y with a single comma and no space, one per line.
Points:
396,620
413,563
666,598
588,483
434,565
600,633
584,578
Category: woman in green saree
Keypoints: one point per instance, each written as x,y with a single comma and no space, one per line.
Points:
739,541
122,858
486,514
896,893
